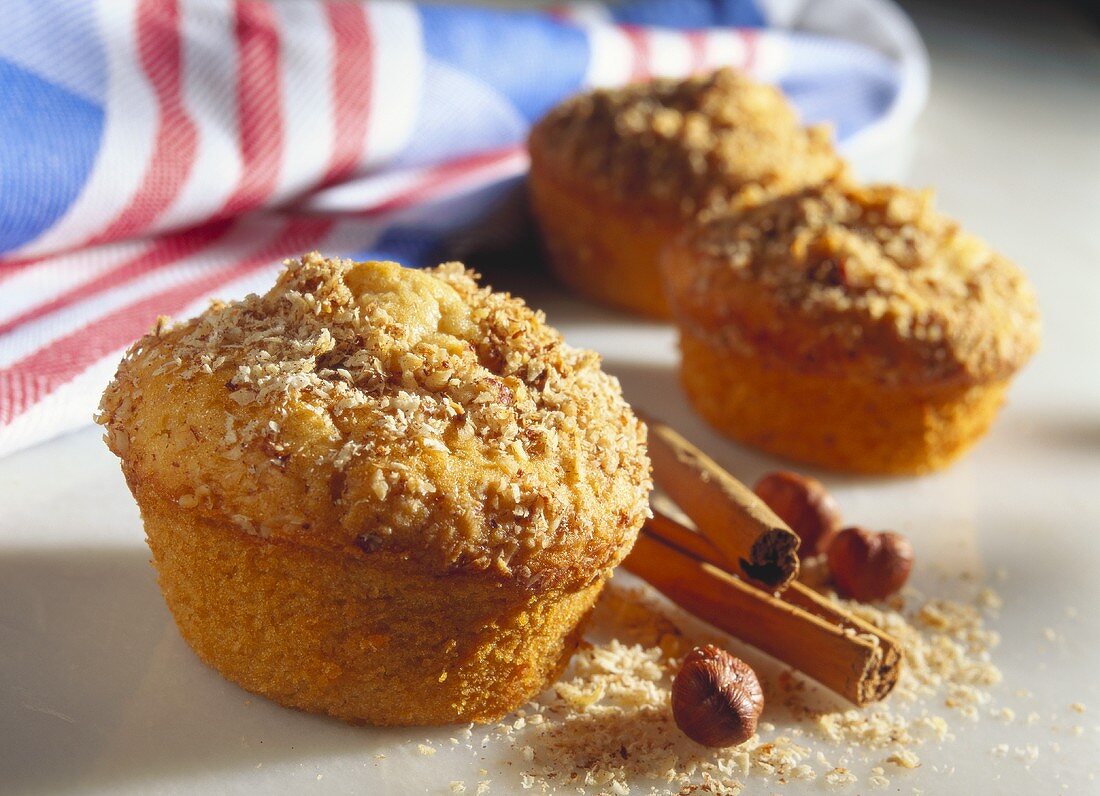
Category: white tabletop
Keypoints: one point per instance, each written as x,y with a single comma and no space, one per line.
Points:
99,693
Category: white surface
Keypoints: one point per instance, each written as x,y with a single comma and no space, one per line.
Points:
98,692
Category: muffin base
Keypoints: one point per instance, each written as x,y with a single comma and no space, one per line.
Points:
856,425
336,634
602,248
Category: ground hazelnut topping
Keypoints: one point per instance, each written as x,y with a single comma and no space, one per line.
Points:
692,143
421,413
876,269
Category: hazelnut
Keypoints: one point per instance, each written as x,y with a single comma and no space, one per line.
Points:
716,698
805,505
869,566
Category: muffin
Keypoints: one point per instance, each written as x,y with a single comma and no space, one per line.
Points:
385,494
850,327
616,174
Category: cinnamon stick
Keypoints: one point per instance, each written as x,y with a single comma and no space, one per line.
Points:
840,651
736,521
669,530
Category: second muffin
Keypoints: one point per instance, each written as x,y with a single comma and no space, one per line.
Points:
616,174
855,328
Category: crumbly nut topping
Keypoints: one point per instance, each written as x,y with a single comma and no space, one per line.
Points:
437,417
691,144
875,268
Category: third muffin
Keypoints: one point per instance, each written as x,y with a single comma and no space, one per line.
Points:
615,174
855,328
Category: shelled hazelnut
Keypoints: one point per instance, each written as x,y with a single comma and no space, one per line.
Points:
716,698
805,505
868,566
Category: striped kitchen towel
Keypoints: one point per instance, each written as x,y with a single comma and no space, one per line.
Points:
154,153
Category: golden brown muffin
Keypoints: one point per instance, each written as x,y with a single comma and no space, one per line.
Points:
616,174
855,328
381,493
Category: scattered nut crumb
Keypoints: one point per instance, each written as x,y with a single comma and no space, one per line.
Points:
990,600
1028,753
606,726
904,758
840,776
877,778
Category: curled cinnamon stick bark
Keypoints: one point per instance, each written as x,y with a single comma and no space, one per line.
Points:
736,521
805,631
669,530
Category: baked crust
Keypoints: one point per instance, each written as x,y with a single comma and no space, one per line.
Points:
407,416
352,636
867,282
845,423
601,247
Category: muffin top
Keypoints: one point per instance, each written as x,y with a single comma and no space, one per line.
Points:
406,415
868,280
690,144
